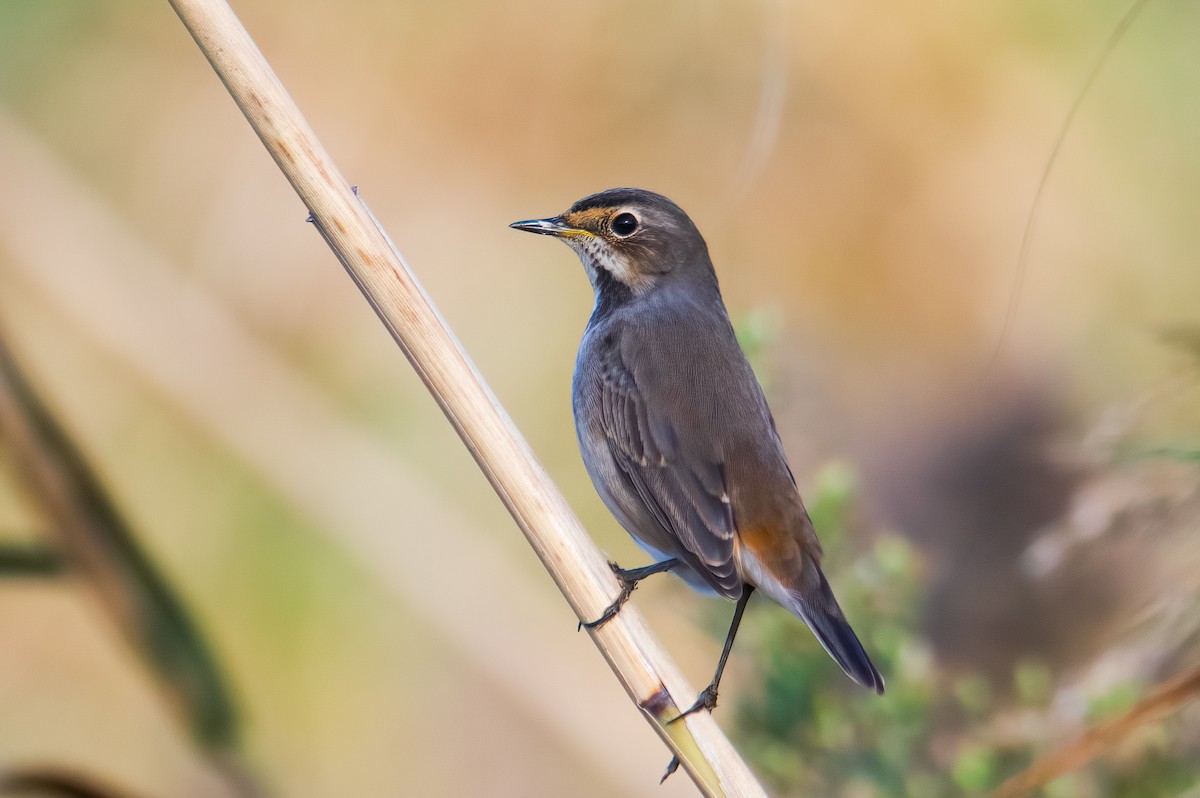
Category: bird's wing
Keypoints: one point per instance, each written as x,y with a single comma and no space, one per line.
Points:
687,495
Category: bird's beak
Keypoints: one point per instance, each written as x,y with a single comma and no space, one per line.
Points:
554,226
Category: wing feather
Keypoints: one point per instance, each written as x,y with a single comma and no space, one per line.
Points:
685,492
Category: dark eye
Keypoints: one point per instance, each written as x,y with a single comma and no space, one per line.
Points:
624,224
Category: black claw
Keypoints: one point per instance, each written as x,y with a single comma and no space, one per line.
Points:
706,700
672,766
628,580
610,612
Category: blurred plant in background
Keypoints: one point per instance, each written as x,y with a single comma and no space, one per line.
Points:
936,731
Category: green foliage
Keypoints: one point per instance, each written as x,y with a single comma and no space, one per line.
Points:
1118,699
974,768
1159,775
25,31
756,331
29,560
1033,682
1176,453
809,731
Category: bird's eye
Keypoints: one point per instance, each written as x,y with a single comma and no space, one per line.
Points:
624,224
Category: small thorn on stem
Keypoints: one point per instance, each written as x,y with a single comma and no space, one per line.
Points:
672,766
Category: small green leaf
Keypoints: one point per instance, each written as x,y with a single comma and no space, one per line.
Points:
1119,698
1065,786
973,692
974,768
895,556
1033,682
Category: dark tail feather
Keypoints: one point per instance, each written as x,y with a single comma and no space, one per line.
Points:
818,608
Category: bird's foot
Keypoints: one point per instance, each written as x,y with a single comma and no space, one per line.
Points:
706,700
628,579
627,587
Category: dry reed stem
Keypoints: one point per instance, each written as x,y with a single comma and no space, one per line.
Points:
533,500
1165,698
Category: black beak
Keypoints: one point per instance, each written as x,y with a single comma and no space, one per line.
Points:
554,226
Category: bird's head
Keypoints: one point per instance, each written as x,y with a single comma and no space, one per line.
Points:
629,240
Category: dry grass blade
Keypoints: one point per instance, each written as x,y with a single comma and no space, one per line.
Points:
56,782
535,503
96,540
18,560
1018,277
1166,697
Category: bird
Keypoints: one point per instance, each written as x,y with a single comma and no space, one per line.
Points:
675,431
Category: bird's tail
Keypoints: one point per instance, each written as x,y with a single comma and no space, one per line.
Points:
813,601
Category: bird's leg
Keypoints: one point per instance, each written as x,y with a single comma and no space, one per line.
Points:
708,696
629,579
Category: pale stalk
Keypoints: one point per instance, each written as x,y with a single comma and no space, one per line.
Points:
576,565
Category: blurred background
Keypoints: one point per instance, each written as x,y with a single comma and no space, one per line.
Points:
1002,460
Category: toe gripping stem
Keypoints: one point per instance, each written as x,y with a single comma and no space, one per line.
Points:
628,579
